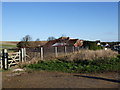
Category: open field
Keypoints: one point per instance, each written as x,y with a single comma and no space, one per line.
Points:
8,45
9,42
12,44
15,42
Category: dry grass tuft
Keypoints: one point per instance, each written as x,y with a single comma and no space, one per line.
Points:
32,61
89,55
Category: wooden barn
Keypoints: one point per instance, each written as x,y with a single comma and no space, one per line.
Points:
64,41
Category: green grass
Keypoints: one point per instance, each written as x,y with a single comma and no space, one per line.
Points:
3,46
78,66
8,45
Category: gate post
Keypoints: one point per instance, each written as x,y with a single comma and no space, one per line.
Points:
41,53
22,55
56,52
19,55
1,60
73,49
65,47
5,59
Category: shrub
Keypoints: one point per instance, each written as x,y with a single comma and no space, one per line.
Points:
78,67
91,45
118,55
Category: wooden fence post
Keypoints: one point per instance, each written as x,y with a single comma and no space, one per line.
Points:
41,53
65,50
78,48
56,52
19,55
1,60
73,49
22,55
5,59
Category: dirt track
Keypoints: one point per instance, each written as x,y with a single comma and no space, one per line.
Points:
44,79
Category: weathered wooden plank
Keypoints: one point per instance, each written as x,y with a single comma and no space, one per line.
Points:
13,59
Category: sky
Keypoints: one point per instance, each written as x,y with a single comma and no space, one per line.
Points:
82,20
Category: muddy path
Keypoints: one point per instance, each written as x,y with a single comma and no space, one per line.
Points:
44,79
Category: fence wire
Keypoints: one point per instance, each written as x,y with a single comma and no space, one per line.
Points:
50,52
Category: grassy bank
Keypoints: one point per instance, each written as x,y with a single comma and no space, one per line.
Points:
86,66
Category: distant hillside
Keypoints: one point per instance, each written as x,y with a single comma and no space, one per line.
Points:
13,44
9,42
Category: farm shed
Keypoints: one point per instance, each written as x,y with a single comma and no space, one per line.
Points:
64,41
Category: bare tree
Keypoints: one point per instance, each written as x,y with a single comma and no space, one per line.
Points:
27,38
51,38
63,35
37,39
25,42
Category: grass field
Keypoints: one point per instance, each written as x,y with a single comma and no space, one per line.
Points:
8,45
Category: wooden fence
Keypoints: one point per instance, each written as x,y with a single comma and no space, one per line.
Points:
43,53
8,59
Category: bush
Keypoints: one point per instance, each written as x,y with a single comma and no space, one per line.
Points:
91,45
78,67
118,55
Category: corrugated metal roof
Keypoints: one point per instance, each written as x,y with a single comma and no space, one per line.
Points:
58,44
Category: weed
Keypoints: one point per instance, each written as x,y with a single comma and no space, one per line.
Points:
85,66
